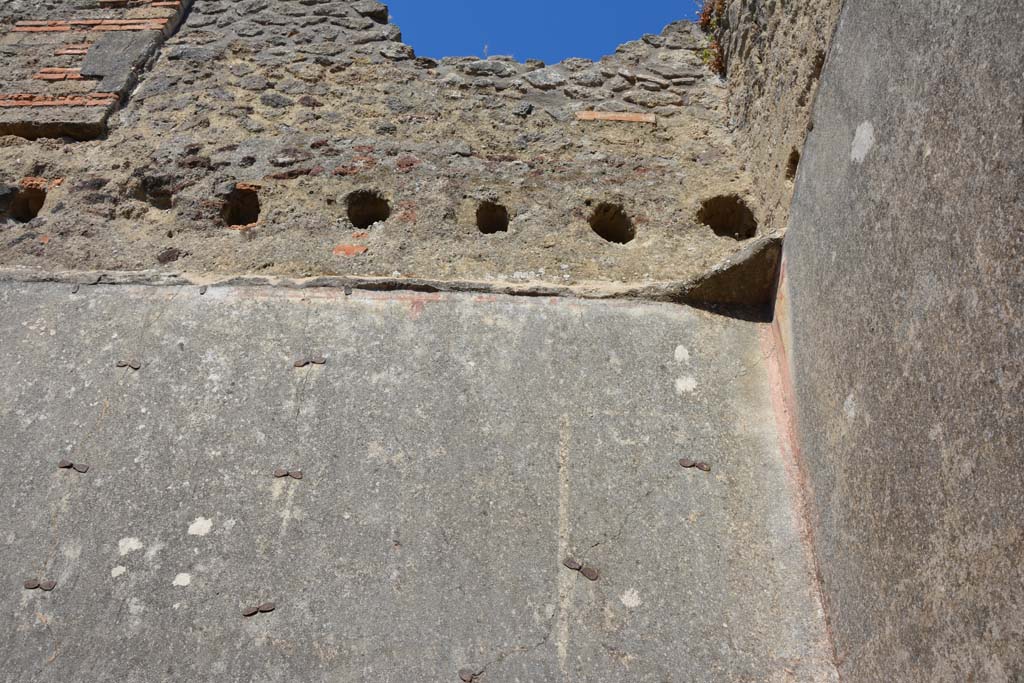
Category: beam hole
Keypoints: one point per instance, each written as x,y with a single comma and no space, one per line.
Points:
367,207
612,224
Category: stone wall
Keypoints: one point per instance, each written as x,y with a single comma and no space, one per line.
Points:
304,138
905,291
773,55
69,65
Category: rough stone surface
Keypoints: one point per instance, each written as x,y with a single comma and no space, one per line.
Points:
450,466
774,54
311,101
905,270
60,53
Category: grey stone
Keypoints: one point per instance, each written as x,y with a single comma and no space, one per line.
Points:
462,148
397,51
379,34
489,68
544,79
523,109
192,53
590,78
377,11
563,423
619,84
674,70
576,64
904,276
575,92
116,56
649,99
654,80
276,100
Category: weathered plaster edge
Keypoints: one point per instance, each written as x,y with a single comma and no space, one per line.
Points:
776,344
674,291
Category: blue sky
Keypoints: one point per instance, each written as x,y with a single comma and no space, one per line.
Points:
542,29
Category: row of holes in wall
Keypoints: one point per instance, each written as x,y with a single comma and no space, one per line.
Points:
726,215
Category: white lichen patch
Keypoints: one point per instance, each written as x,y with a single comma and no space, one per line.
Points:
200,527
630,598
118,571
850,406
686,385
128,544
682,354
863,142
182,579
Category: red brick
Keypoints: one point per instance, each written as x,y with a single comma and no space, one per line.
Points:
39,29
628,117
350,250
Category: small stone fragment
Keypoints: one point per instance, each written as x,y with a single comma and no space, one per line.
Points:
703,467
687,463
202,290
267,607
318,360
122,364
467,676
301,362
295,474
280,472
134,364
80,468
250,611
65,464
348,291
74,290
169,255
523,110
590,573
572,564
31,585
48,585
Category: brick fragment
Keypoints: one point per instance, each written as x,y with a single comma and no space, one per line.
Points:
34,183
350,249
625,116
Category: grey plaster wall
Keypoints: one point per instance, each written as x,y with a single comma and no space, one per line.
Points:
906,284
455,450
